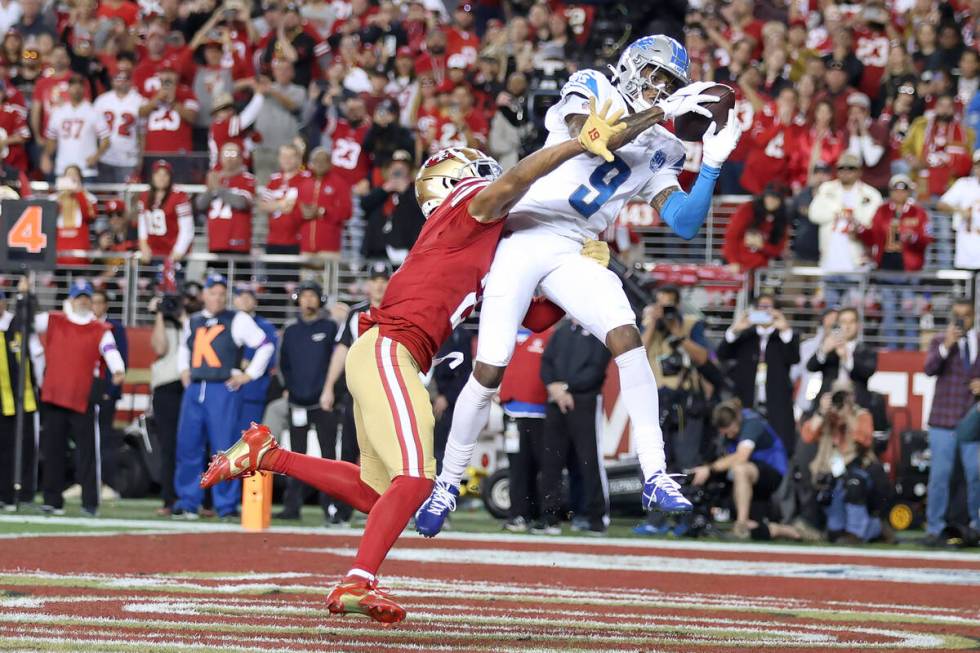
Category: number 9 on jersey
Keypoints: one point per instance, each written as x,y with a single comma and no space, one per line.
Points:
28,234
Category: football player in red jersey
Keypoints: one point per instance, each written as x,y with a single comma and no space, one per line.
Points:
465,201
166,220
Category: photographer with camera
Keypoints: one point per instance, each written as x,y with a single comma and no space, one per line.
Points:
676,347
762,348
842,467
754,461
953,361
167,390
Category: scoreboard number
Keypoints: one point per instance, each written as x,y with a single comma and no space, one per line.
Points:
29,234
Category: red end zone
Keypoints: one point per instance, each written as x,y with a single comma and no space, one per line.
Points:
235,591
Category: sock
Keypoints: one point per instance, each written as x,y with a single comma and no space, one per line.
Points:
341,480
638,389
387,521
469,417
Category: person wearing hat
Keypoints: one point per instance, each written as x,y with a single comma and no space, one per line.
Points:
120,106
840,208
212,345
230,126
166,219
898,237
122,235
254,393
393,219
335,396
76,134
962,201
170,113
869,140
326,209
386,135
228,203
76,342
308,343
938,147
11,358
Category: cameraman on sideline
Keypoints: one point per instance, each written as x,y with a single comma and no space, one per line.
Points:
676,347
841,468
169,316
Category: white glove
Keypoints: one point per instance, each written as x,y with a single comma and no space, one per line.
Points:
686,100
719,143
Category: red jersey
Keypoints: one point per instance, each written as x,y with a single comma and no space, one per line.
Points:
13,122
465,44
229,130
52,90
75,212
284,226
871,49
332,197
828,150
127,11
348,157
447,135
159,223
522,382
230,230
898,236
166,131
768,159
734,248
442,278
433,65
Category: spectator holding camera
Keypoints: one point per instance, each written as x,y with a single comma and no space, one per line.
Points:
755,460
676,348
763,347
167,390
842,356
842,431
952,359
898,237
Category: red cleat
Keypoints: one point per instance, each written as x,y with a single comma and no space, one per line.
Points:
242,459
356,595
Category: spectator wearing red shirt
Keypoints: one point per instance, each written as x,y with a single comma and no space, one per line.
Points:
758,231
166,219
938,147
461,124
170,114
898,237
156,55
326,207
837,92
820,143
228,203
281,200
14,132
51,89
775,135
432,62
378,93
460,38
869,141
348,156
871,48
124,9
229,126
76,210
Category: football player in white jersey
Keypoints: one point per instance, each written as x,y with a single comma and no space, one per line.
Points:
541,252
120,108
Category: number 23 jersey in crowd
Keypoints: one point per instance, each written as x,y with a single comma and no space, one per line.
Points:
583,196
442,278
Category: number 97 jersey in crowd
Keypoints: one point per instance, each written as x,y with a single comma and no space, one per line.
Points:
583,196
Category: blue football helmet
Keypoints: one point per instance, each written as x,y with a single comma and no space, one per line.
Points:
663,54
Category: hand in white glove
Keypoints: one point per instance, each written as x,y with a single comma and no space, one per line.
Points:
719,143
686,100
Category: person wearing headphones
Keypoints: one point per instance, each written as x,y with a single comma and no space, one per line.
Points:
307,347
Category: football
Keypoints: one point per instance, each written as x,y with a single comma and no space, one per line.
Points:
691,126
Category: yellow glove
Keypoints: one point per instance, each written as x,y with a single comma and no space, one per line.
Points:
597,250
599,128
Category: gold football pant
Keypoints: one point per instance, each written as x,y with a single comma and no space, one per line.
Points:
392,412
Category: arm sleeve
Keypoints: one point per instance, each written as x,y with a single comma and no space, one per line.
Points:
110,352
251,111
185,228
40,323
870,150
142,229
246,333
685,213
183,353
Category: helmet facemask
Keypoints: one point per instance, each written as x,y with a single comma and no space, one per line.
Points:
444,170
649,63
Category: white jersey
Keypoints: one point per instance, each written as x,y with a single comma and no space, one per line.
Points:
964,196
583,196
78,131
121,115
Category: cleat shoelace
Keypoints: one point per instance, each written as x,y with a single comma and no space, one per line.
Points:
442,499
667,483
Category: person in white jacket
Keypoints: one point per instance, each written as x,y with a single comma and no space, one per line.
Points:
838,208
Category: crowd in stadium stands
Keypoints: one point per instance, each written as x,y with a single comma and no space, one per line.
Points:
858,118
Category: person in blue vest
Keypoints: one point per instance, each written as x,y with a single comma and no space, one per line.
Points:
212,347
254,394
755,460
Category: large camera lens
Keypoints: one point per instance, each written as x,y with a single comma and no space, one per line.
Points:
838,399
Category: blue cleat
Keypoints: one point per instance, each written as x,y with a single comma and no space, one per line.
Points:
662,492
432,514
